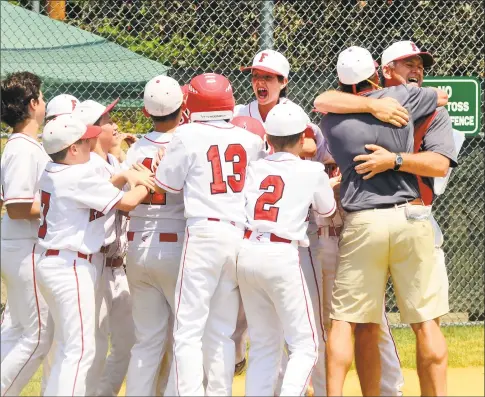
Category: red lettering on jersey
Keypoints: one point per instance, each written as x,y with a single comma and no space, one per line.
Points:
414,48
218,185
93,215
153,198
45,199
263,55
270,198
74,102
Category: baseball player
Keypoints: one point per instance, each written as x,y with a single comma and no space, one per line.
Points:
114,306
403,63
24,338
156,235
73,200
270,70
280,191
207,159
60,104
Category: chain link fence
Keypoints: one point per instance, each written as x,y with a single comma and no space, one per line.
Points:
191,37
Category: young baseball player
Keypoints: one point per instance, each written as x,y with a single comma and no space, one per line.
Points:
73,200
269,78
207,160
280,191
60,104
114,306
156,235
24,339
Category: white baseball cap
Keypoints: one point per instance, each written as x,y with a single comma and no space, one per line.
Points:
405,49
270,61
64,130
61,104
90,111
286,119
355,64
162,96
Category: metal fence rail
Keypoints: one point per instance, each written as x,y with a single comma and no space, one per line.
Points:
220,36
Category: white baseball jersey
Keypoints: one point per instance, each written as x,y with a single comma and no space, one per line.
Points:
23,162
279,192
107,169
149,215
74,202
208,160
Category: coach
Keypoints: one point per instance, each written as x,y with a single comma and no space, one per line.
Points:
386,226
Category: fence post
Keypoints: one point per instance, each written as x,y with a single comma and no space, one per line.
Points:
266,18
36,6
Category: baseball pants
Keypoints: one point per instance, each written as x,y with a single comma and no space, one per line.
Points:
118,314
25,338
277,303
152,270
392,378
101,326
206,306
67,282
10,332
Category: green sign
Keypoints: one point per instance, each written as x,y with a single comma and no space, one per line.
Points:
463,101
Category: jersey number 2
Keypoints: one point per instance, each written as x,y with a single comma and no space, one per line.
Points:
153,198
45,199
269,198
239,168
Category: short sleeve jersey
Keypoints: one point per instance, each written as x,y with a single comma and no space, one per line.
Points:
281,189
156,207
74,201
208,161
347,135
23,162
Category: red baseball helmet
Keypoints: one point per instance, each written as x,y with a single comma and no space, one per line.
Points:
251,124
210,98
256,127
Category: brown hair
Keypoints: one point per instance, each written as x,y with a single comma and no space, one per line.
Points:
17,90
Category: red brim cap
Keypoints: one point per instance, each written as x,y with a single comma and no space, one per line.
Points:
145,112
425,56
110,107
263,68
92,131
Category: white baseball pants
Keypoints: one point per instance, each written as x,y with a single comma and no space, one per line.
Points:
101,326
25,338
206,306
152,269
118,314
277,302
392,378
68,285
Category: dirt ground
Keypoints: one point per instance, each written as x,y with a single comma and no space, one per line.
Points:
461,382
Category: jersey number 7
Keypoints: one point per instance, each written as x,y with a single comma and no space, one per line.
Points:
239,168
269,198
45,199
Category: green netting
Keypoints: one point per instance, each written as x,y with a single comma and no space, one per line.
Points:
72,60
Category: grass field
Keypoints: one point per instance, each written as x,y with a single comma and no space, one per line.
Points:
466,362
